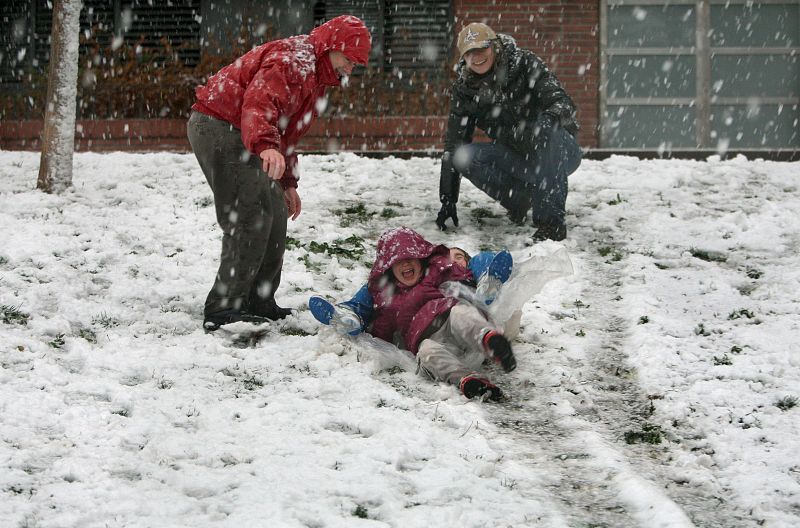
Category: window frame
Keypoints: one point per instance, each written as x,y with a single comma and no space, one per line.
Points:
702,51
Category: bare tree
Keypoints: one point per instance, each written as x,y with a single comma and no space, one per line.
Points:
58,137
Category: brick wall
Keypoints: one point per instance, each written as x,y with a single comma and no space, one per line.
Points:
564,33
354,134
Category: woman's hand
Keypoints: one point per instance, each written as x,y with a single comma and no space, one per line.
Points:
272,163
293,204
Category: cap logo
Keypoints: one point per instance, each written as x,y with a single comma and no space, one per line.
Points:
470,36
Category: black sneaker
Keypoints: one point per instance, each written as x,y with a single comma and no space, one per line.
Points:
213,321
476,385
500,349
271,311
555,232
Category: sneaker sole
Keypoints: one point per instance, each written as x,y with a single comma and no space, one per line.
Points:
321,309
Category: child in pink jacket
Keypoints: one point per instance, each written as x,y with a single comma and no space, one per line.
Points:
413,313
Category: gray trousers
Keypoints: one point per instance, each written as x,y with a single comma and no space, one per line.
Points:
250,210
456,349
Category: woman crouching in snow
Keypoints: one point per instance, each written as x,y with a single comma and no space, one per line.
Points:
412,313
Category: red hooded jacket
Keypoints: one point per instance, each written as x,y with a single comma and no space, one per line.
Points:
273,92
403,313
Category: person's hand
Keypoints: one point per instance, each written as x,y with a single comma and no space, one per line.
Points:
293,204
543,129
273,163
448,210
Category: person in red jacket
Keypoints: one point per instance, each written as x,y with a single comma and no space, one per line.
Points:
244,129
411,312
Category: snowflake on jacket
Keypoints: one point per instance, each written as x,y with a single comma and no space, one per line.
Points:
274,92
404,315
505,103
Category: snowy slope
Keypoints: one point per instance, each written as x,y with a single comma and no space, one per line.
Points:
679,326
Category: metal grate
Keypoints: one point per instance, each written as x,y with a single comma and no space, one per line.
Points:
14,15
143,22
417,34
407,34
149,21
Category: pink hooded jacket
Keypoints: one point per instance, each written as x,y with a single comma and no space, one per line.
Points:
404,313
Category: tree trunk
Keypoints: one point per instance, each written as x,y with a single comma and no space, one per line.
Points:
58,137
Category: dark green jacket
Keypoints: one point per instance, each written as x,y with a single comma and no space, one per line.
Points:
505,103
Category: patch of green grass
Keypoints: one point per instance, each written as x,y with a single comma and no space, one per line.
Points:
351,247
700,329
205,201
724,360
650,434
739,314
388,213
252,383
644,319
19,490
606,251
310,266
105,320
787,402
290,331
753,273
293,243
736,349
57,342
3,260
357,213
392,203
88,335
708,256
360,512
13,315
480,213
616,201
580,333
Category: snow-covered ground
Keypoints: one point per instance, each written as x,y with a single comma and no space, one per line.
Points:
657,386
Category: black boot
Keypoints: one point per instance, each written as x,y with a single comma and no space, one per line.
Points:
517,217
213,321
270,310
551,231
476,385
500,349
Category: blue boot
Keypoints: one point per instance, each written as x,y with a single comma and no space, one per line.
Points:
342,319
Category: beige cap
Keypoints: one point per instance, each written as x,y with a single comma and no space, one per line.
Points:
474,36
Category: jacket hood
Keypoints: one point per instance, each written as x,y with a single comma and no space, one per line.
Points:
400,244
345,33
